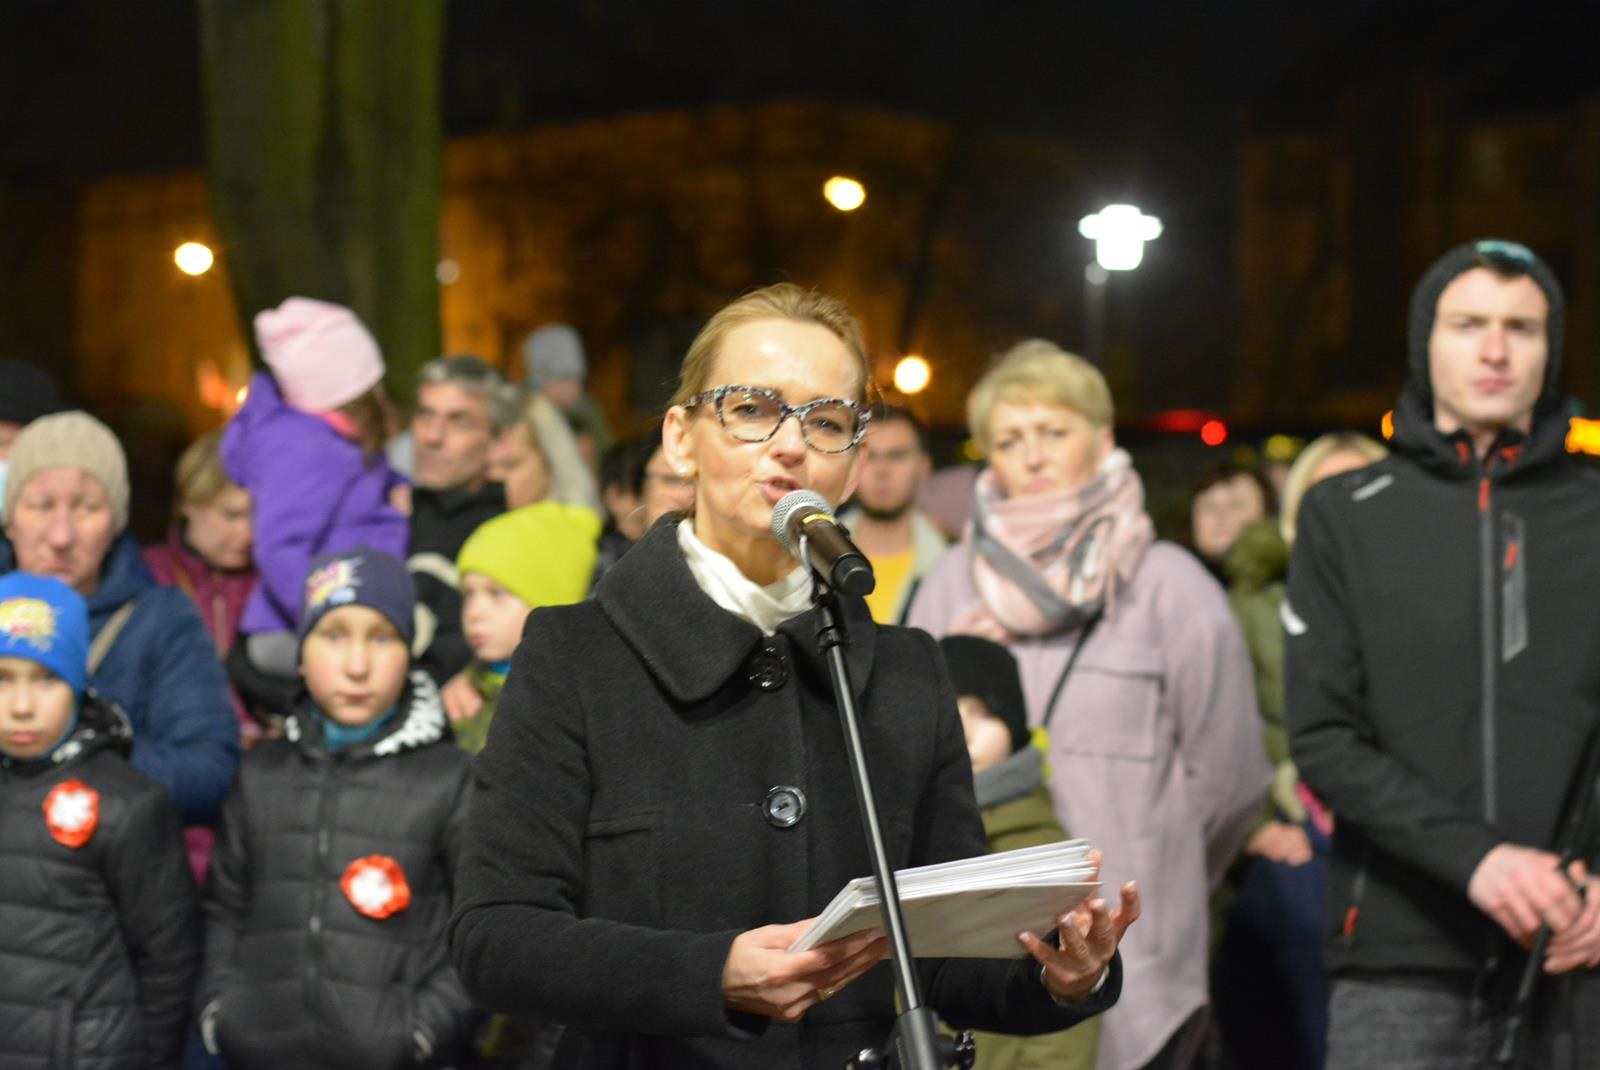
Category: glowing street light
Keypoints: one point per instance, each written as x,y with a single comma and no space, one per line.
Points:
1119,233
193,258
845,194
911,375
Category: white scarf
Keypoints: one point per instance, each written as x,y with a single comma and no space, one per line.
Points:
765,607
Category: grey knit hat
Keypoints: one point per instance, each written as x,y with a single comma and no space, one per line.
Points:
1506,257
69,440
554,351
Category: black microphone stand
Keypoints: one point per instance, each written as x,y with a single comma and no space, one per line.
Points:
915,1043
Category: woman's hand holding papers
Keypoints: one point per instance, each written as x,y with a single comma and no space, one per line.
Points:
1089,936
763,977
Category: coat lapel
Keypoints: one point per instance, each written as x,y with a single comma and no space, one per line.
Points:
690,644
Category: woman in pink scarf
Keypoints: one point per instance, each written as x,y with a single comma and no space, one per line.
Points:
1129,657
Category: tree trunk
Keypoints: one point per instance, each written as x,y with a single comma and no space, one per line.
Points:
324,145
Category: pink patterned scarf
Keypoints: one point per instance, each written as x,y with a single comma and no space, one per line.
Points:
1048,563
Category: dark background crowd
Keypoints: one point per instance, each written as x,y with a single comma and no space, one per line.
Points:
292,298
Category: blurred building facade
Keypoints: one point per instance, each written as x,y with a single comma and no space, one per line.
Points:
1362,169
634,228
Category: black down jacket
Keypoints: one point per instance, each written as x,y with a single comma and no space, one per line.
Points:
100,937
295,973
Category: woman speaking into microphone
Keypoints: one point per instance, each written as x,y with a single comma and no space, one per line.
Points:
665,799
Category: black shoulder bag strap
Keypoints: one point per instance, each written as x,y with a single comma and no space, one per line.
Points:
1066,671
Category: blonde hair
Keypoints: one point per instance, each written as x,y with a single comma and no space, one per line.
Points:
570,479
1298,480
784,301
1038,370
200,478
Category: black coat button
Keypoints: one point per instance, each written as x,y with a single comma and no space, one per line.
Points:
785,807
767,669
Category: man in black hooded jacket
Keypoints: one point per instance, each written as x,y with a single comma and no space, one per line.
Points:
1443,678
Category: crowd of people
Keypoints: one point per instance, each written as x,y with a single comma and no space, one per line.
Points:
476,737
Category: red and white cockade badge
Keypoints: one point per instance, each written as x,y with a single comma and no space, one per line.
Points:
376,886
72,812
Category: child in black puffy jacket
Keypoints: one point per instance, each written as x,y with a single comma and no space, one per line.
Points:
100,943
330,886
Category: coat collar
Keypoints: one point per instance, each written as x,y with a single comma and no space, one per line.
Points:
101,725
691,645
422,722
1452,456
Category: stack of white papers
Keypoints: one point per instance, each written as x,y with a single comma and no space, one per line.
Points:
971,908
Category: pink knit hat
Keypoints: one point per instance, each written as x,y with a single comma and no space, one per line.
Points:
320,354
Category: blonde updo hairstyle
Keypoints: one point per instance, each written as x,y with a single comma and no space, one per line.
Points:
1039,371
784,301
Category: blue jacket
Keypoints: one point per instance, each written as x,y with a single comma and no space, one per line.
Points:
164,674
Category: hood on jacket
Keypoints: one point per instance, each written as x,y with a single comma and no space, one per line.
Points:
1258,557
1452,456
422,722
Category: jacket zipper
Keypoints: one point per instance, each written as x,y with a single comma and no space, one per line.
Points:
319,882
1488,569
1487,563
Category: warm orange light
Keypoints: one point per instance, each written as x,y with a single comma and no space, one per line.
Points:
242,396
1583,436
1387,426
193,258
1213,432
844,193
912,375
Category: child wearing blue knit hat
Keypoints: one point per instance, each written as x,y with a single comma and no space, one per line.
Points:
44,654
95,860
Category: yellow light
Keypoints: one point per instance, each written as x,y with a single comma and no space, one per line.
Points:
845,194
911,375
1387,426
241,395
1583,436
1283,448
193,258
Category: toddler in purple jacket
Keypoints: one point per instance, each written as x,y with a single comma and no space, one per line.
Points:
308,446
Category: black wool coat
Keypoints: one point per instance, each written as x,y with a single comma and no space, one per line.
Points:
99,939
621,834
295,975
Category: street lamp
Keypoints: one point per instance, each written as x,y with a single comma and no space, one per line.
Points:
844,193
912,374
193,258
1119,233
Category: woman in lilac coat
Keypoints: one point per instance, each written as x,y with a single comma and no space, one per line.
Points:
307,445
1131,661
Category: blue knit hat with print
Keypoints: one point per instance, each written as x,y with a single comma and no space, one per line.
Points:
45,621
360,577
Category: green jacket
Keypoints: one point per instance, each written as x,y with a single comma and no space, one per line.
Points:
472,733
1028,820
1257,567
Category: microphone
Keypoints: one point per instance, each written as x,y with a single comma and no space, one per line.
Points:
827,549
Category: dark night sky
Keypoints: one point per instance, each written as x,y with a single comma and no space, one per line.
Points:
1150,95
98,87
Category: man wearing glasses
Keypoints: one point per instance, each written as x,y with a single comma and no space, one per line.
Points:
1443,681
